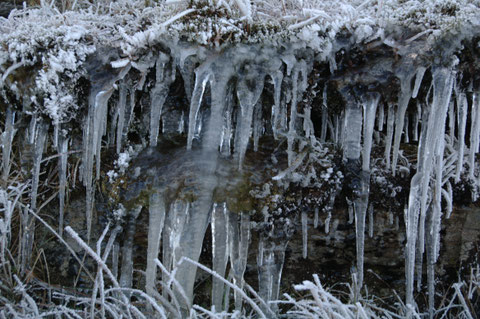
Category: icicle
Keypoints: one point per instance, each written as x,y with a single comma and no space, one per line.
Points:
175,220
129,112
389,137
327,222
227,129
202,75
219,252
370,108
474,133
277,79
32,129
305,233
7,139
238,239
155,225
290,61
248,93
430,149
370,221
462,108
120,115
411,222
39,144
405,94
270,266
405,131
418,80
164,77
62,173
40,134
191,240
323,133
416,121
381,118
361,205
448,196
293,113
97,113
353,132
257,125
315,218
126,275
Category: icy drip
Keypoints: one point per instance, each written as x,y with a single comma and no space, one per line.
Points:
430,150
7,139
126,275
62,173
248,93
219,252
462,108
297,90
175,220
277,78
389,136
353,131
40,135
164,77
474,133
257,125
416,121
323,133
155,226
270,260
202,75
238,240
120,115
406,123
405,94
418,80
361,206
227,129
95,122
370,109
191,242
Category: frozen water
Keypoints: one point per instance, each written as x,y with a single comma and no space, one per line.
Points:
155,226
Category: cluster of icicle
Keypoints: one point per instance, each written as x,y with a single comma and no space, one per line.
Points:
236,79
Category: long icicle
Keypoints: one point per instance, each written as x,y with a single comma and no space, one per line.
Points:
40,135
405,94
220,239
155,227
62,176
163,79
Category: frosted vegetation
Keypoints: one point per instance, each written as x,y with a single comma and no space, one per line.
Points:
94,94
